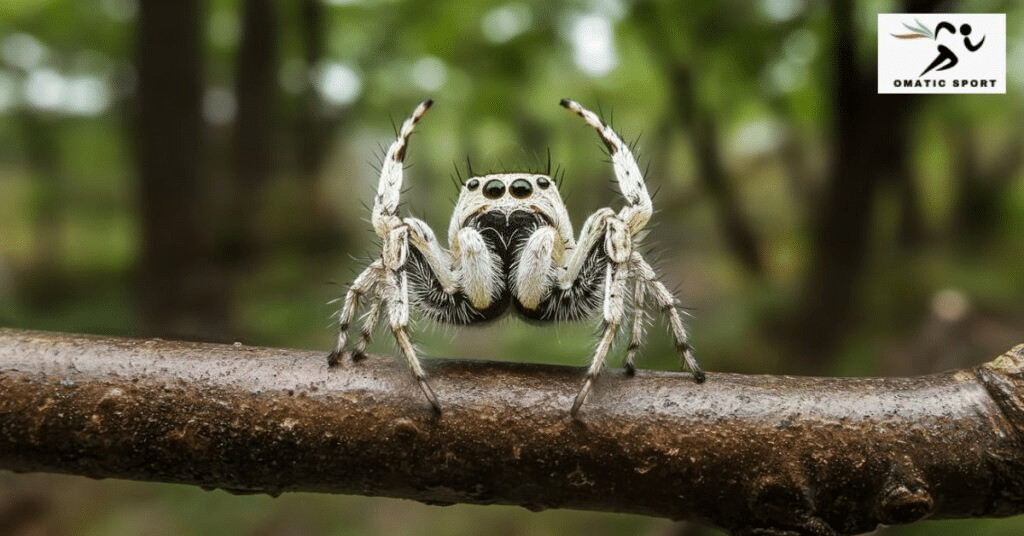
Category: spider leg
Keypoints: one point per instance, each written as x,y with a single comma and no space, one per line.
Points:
422,237
395,294
366,334
385,204
667,302
619,231
363,283
638,209
639,301
396,301
385,224
388,276
614,288
590,234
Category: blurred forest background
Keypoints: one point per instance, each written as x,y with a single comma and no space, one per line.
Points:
200,170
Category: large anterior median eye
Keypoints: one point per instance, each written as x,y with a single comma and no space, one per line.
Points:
521,188
494,189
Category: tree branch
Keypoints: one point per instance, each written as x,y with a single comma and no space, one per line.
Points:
752,454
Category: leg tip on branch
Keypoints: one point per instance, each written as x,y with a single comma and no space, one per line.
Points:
574,412
431,397
581,397
334,359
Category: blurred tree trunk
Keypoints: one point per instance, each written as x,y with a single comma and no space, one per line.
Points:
179,290
871,135
910,232
254,151
702,127
739,234
44,161
318,232
310,125
980,189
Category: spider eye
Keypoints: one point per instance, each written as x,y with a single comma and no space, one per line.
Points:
543,182
520,188
472,184
494,189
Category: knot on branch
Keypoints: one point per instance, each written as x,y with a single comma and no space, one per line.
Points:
1003,378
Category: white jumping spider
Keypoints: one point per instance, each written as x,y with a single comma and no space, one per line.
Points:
511,246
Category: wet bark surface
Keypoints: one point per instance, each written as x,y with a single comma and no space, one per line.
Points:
753,454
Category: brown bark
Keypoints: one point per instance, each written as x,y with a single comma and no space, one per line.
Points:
752,454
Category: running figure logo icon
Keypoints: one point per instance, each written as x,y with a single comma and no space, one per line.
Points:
946,58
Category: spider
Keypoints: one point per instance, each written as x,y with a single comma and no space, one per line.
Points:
511,248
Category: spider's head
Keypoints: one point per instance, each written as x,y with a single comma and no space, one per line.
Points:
508,193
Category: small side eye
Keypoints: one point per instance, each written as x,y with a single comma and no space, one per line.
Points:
520,188
472,184
494,189
543,182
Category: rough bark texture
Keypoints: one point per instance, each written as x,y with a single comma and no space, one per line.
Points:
752,454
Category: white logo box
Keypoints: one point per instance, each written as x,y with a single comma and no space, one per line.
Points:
911,43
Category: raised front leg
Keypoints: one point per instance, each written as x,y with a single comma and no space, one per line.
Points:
384,214
638,209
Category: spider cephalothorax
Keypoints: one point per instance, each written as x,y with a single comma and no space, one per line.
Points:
511,247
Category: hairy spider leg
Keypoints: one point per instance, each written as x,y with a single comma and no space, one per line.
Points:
387,276
669,305
612,311
639,318
384,214
370,320
619,230
364,282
